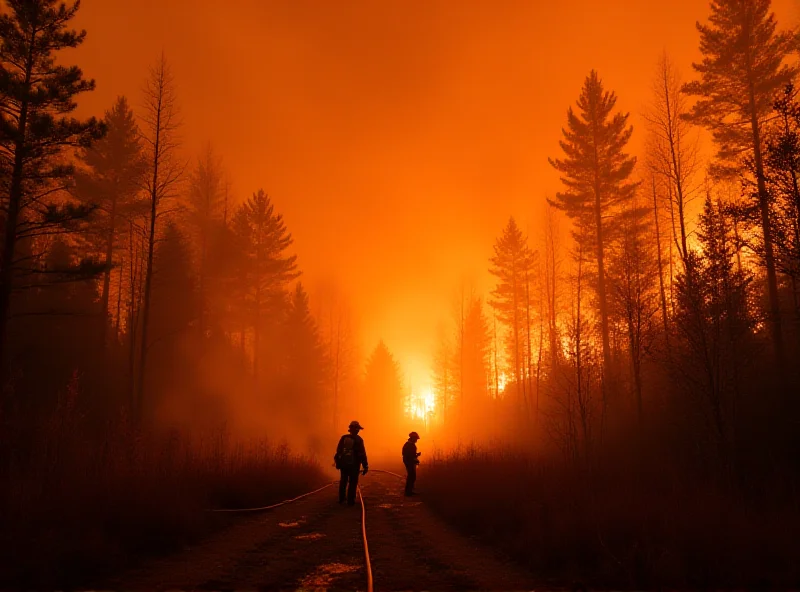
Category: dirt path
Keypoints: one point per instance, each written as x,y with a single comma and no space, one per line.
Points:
412,549
315,543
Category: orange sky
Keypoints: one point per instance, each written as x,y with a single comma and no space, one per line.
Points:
396,136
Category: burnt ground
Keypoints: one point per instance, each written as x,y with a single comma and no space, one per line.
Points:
315,543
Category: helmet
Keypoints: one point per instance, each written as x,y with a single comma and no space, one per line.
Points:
414,436
354,425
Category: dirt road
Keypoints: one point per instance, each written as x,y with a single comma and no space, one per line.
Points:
315,543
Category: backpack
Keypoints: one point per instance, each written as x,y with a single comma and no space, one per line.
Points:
347,457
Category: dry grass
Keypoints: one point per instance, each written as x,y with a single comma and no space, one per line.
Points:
643,529
76,506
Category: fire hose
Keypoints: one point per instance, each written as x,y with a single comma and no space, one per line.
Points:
367,561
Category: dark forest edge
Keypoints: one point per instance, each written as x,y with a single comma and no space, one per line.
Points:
644,380
141,320
82,507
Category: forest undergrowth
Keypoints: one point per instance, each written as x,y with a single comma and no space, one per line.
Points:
79,503
620,522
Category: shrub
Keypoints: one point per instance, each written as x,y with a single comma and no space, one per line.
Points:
77,504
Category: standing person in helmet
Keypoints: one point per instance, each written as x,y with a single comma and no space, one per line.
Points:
350,456
411,460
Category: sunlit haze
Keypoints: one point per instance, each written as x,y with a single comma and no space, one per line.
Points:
395,137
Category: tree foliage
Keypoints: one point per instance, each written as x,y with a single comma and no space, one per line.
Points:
36,129
596,173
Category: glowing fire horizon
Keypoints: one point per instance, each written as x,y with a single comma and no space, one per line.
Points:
422,403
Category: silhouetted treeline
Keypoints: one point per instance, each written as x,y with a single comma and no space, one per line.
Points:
156,345
676,298
132,270
649,364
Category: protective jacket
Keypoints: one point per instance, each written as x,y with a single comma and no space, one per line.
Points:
410,453
351,453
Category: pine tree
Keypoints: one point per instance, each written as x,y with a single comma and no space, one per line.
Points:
36,129
633,272
110,181
511,265
714,324
744,66
444,383
657,219
596,172
54,310
175,303
173,316
384,399
782,170
474,370
206,201
337,325
266,268
551,277
577,397
343,357
304,364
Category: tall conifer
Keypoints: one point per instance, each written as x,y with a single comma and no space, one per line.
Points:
744,66
596,173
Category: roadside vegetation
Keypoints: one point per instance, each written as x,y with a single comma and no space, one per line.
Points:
77,505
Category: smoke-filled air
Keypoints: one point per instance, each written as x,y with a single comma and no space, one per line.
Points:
519,281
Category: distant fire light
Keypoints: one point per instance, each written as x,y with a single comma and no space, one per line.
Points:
422,403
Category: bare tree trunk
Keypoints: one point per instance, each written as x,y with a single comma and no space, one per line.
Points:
107,272
257,334
528,330
796,241
331,357
672,243
133,318
633,350
496,374
225,207
160,118
517,377
541,347
13,209
201,287
738,239
205,191
337,370
601,272
461,362
766,228
662,293
446,388
119,304
579,386
601,288
148,284
683,249
551,272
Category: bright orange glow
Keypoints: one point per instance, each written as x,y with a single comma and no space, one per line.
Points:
441,106
395,139
422,404
502,380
